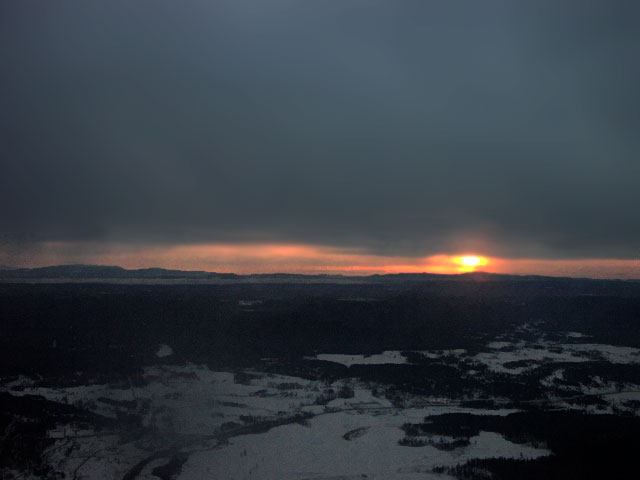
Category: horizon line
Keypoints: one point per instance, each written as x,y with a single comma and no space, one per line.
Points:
6,268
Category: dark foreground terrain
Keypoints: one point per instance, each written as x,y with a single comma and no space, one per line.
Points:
473,376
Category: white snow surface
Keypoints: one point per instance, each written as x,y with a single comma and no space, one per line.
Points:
503,352
193,400
541,352
319,451
394,357
389,356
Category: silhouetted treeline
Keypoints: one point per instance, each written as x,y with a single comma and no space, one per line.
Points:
115,328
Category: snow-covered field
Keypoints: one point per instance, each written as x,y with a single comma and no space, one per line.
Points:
320,451
187,405
503,352
249,424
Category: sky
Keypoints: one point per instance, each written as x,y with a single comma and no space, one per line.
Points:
322,136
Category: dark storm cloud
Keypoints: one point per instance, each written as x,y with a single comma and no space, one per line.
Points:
396,127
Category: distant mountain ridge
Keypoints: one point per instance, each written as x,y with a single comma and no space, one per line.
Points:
107,271
114,273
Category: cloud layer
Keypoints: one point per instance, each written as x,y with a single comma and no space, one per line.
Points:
395,128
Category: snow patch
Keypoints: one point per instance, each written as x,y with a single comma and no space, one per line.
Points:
164,351
386,357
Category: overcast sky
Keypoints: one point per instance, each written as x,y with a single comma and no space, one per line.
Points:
406,128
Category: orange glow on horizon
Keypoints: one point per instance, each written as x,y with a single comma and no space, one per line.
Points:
304,259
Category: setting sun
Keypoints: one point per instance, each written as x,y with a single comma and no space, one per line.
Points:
470,261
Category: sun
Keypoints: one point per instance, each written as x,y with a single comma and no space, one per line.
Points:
470,261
